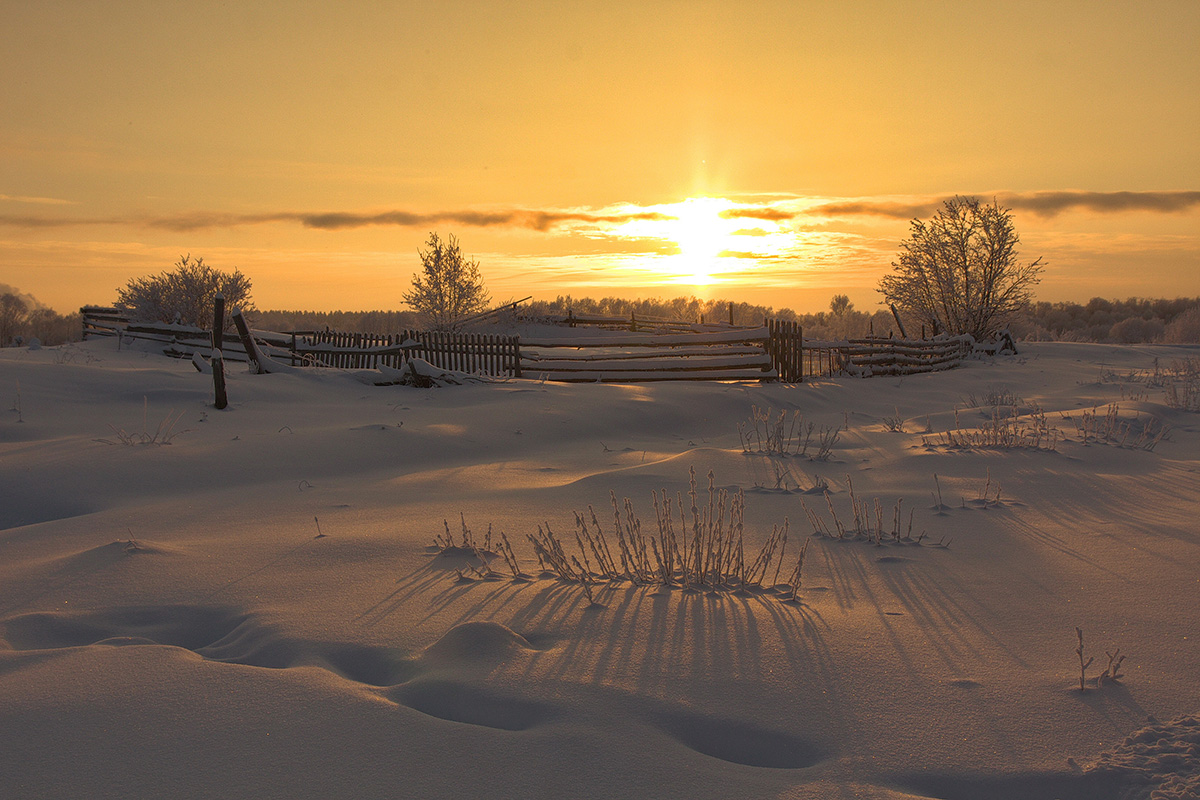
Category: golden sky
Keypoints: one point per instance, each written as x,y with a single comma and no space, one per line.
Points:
771,152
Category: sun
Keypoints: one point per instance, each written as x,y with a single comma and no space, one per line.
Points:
703,235
711,240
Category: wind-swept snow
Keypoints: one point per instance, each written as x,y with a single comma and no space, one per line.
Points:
173,624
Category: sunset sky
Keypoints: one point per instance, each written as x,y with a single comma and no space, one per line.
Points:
772,152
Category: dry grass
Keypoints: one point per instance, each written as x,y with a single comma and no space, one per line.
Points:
1179,381
867,522
697,542
163,434
895,424
1108,427
1181,390
994,397
786,434
1004,431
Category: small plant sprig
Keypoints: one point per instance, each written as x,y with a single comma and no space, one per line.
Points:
895,424
1083,665
1111,673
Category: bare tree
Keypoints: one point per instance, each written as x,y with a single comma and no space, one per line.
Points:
959,272
185,294
14,313
449,287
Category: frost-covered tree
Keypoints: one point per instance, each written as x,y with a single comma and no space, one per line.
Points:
960,272
449,286
185,293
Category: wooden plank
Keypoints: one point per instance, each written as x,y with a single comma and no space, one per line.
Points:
723,350
653,340
658,365
634,377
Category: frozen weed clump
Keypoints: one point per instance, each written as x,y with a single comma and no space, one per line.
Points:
482,551
1109,428
696,543
994,397
1179,381
773,476
785,435
894,424
1181,389
162,435
868,522
1002,432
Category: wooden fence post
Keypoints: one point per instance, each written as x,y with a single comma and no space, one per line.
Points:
218,362
248,342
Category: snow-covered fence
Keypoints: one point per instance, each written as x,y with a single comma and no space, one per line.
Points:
775,350
102,320
181,341
865,357
769,352
486,354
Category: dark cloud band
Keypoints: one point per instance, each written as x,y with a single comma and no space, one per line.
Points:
1046,204
538,220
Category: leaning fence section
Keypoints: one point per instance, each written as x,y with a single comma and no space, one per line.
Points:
475,353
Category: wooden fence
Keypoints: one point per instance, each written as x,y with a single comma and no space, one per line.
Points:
481,353
769,352
181,341
775,350
866,357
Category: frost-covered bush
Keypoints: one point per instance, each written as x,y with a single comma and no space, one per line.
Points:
1136,329
1185,328
185,294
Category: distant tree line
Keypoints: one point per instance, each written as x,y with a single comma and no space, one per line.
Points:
348,321
1120,321
22,320
840,322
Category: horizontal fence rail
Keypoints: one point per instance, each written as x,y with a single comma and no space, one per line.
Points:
712,352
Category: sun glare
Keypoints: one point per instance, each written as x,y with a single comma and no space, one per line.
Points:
700,231
713,246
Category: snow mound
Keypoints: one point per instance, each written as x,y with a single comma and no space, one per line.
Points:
216,634
476,642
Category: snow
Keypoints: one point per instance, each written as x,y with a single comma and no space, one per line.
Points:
171,624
